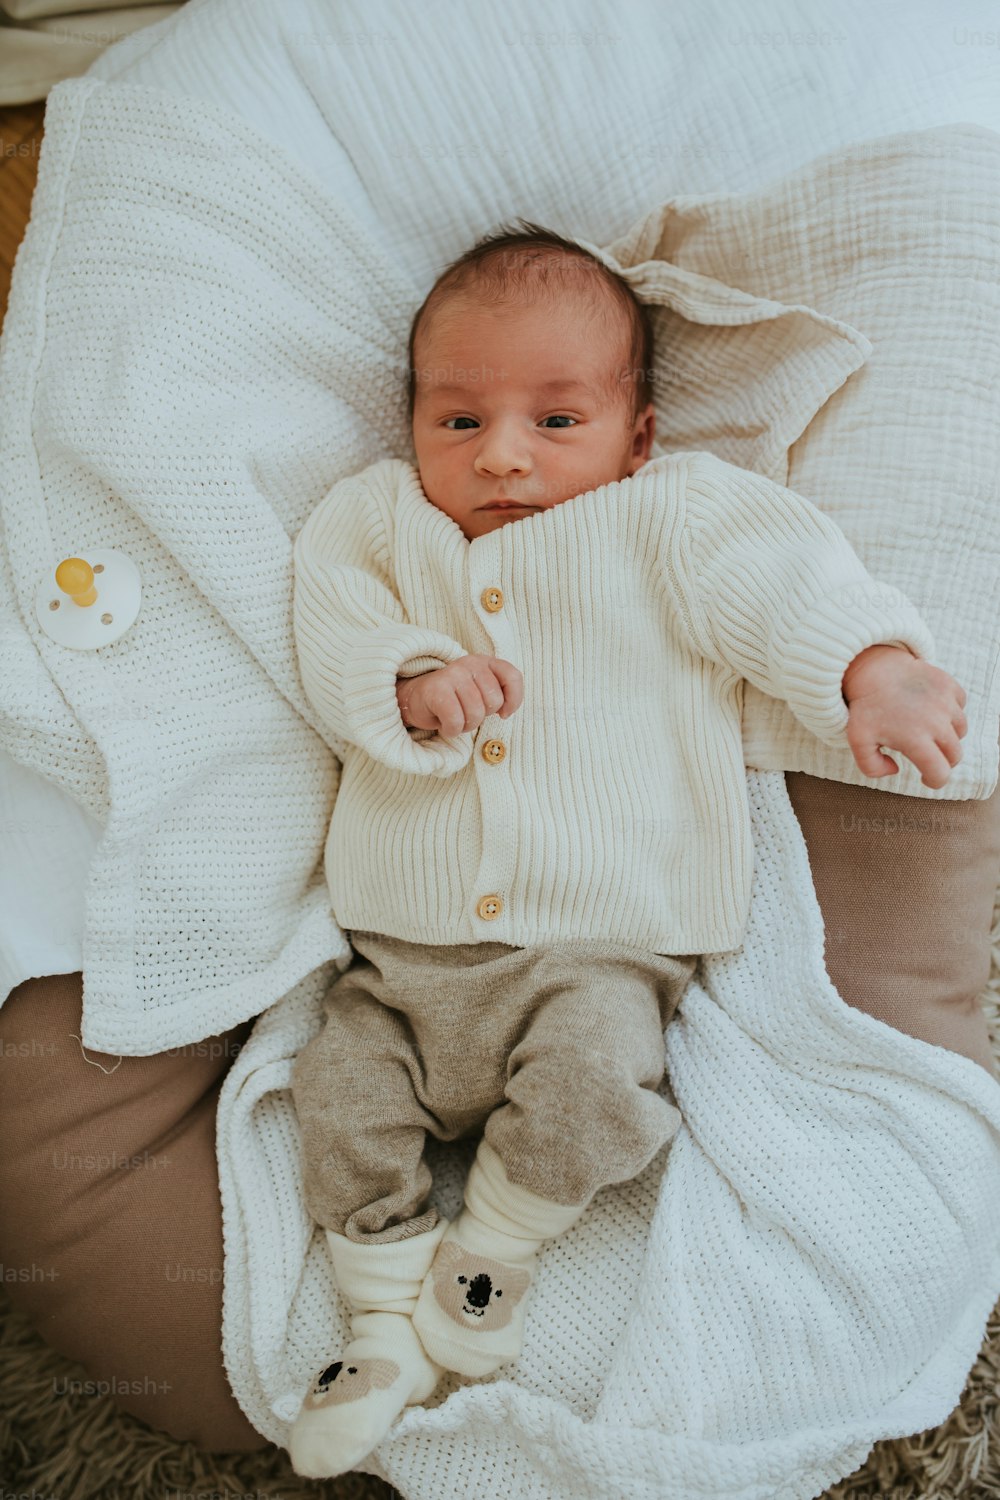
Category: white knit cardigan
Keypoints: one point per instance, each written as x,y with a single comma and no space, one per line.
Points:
612,804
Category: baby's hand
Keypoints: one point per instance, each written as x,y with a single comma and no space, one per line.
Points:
898,700
458,697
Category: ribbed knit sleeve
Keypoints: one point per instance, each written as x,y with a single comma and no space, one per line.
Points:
771,587
353,638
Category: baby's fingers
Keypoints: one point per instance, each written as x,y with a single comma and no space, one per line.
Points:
947,743
448,703
472,700
870,761
511,681
934,758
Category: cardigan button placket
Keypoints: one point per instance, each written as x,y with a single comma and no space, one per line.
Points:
487,562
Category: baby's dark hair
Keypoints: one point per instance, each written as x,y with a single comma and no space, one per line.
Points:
519,257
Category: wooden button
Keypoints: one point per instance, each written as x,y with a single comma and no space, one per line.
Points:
494,751
490,907
492,600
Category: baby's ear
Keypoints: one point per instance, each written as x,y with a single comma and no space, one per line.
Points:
642,437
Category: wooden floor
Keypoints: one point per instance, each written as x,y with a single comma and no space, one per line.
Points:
20,144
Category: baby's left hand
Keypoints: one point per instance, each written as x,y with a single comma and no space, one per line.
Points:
898,700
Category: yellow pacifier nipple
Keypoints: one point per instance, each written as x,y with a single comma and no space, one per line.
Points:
76,578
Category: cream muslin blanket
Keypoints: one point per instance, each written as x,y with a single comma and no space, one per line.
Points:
199,343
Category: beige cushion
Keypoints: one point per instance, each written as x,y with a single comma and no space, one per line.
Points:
42,42
894,242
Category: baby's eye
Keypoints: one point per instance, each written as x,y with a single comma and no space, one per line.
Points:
459,419
560,417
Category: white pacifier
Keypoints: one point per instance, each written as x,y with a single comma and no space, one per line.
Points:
89,603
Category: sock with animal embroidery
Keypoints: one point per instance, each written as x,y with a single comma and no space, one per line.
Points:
470,1312
383,1367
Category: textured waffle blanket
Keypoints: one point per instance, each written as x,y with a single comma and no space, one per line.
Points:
807,1268
200,342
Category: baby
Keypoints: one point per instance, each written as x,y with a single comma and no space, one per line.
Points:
528,652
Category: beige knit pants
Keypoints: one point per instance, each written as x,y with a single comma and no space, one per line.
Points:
556,1049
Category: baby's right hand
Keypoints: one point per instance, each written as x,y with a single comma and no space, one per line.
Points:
458,697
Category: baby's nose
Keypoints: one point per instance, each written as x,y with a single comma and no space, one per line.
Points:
503,448
502,458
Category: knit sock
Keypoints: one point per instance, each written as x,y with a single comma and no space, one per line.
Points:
357,1396
470,1312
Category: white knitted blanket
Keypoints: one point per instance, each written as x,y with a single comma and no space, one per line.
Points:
200,341
807,1268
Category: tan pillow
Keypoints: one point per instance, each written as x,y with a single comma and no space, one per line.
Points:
45,41
892,245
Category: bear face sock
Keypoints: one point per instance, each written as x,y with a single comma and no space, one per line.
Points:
471,1309
354,1401
357,1396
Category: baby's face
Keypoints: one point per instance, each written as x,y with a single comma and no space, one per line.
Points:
511,404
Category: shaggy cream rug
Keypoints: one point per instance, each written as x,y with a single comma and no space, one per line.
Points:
69,1447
